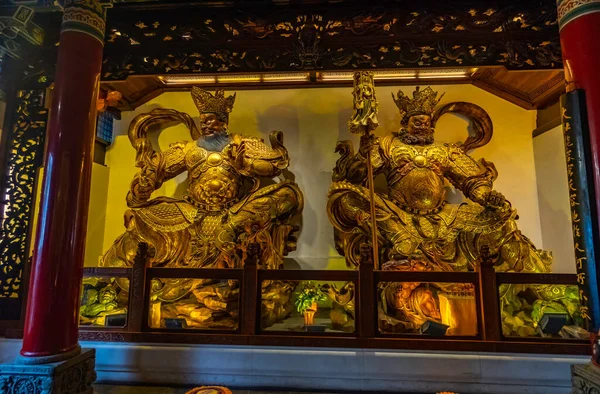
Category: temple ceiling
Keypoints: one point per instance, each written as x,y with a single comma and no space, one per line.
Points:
506,47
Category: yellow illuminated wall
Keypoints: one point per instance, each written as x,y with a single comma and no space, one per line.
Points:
313,120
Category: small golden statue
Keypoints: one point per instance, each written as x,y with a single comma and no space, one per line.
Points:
99,300
413,224
224,210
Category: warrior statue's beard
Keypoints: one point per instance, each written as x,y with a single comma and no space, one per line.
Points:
424,138
214,142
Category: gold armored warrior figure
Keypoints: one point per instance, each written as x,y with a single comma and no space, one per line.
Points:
224,209
416,228
97,304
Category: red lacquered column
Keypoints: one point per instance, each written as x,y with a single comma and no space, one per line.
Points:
51,323
579,23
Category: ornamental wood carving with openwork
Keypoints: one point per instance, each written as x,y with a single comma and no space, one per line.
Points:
171,41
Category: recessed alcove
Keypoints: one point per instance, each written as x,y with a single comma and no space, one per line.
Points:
313,120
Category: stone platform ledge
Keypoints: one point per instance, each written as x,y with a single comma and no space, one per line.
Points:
71,376
327,369
585,378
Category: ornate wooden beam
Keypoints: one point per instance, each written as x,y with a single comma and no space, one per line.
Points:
142,39
18,33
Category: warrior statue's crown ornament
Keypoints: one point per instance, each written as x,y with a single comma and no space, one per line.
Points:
423,102
206,102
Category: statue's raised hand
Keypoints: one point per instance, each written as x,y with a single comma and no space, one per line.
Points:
497,200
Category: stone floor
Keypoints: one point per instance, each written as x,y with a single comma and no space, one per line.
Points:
109,389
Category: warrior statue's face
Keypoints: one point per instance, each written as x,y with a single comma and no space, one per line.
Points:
419,125
211,123
107,295
418,130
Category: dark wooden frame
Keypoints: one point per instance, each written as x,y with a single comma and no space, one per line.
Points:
486,281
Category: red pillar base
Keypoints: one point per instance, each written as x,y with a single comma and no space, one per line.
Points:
49,359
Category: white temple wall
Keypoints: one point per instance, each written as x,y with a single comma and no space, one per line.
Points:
553,197
313,120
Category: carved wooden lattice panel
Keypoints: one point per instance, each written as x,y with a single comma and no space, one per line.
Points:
24,158
519,35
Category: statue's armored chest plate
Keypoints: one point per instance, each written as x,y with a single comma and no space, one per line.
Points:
199,160
429,156
214,181
416,175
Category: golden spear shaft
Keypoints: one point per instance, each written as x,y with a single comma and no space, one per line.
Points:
364,121
371,181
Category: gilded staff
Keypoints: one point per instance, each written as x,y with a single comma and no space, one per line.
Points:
364,122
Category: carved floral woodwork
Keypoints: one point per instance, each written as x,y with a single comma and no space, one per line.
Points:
203,39
24,159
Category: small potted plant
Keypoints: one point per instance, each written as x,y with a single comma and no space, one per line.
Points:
307,302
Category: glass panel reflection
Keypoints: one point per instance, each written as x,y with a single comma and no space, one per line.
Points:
104,302
534,310
427,308
183,303
308,306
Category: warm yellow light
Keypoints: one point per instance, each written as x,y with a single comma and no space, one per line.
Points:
189,80
237,78
324,76
441,76
445,74
286,77
393,75
336,76
217,79
378,75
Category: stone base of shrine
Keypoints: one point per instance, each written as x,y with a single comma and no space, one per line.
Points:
586,378
74,375
324,369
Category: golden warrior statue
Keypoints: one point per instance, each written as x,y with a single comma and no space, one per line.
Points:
416,228
414,219
225,208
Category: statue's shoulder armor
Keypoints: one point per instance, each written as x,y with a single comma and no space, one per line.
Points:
397,150
194,154
390,141
255,148
440,151
174,155
455,151
236,139
454,146
251,141
387,140
179,144
458,158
